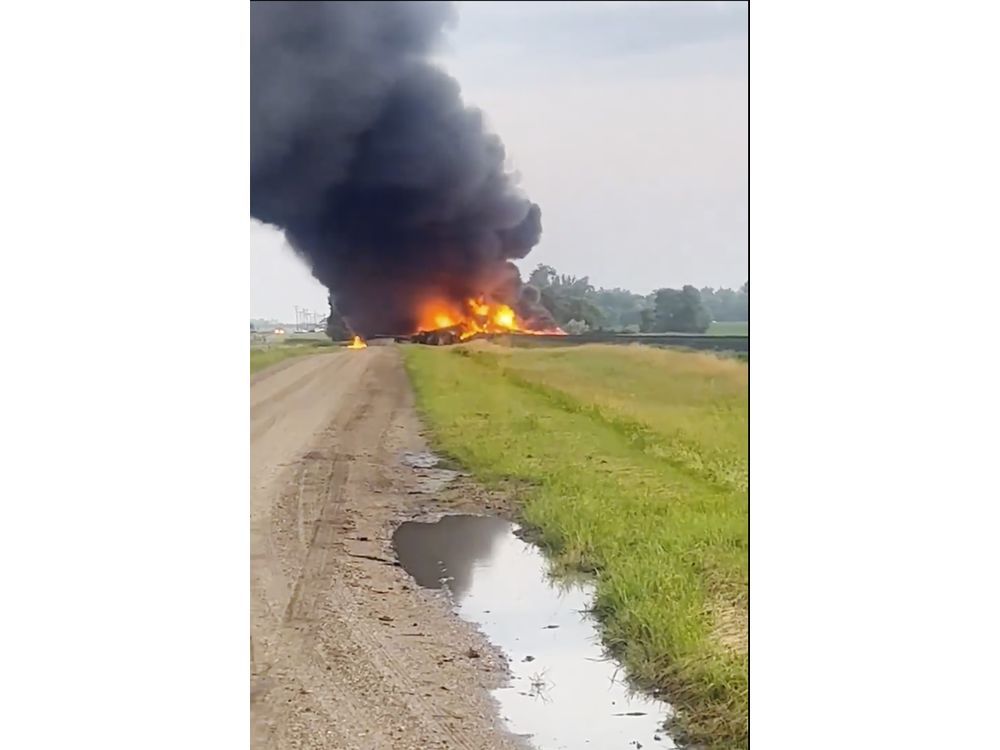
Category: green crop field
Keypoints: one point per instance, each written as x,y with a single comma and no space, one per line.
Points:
631,463
729,329
265,356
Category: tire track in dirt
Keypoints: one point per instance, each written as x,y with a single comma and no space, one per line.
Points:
346,651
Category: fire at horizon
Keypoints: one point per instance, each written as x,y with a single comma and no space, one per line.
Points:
478,316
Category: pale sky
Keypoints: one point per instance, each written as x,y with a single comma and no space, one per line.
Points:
627,122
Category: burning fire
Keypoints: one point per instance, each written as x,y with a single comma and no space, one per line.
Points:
478,316
357,343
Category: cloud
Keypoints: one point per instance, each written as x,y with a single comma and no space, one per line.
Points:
600,29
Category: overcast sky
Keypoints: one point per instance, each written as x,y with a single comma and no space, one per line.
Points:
628,124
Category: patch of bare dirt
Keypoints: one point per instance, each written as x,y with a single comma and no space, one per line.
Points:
346,651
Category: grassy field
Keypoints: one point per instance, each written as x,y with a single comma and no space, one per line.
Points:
631,463
729,329
261,357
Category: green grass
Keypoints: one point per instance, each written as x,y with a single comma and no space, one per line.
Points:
633,465
729,329
270,355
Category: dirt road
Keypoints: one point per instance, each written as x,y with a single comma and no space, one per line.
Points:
346,652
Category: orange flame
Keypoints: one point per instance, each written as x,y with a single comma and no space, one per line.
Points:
357,343
478,316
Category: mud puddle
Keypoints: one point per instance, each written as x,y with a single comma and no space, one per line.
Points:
564,692
430,477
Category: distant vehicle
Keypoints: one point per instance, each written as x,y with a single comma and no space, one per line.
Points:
279,331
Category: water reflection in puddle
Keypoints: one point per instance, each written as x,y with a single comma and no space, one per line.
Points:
564,693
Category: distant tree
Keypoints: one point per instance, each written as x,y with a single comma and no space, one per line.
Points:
565,306
570,297
725,304
711,301
565,297
681,311
336,327
573,286
542,276
582,309
619,308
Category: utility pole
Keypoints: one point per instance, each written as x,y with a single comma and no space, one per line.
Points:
306,319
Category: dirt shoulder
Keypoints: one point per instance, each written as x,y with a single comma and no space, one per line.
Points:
345,651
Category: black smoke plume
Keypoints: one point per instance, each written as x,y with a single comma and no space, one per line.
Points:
363,152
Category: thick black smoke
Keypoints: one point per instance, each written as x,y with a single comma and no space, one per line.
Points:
363,152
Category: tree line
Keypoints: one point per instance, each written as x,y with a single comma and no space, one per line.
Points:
578,306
